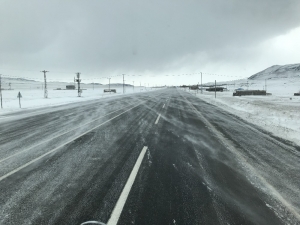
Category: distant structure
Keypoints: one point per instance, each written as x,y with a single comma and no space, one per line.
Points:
110,90
194,87
216,89
70,87
249,92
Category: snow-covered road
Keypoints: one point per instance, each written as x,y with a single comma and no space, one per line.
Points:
69,164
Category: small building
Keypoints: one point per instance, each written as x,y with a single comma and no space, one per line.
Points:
249,92
297,94
70,87
194,87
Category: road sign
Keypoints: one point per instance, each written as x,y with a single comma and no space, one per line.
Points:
19,96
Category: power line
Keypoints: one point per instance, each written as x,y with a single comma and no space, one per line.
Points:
145,75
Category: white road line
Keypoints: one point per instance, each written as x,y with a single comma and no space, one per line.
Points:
55,149
164,106
157,119
25,150
114,218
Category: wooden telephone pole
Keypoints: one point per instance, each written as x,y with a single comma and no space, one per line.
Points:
45,89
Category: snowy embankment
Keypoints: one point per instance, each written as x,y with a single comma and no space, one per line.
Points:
34,98
278,113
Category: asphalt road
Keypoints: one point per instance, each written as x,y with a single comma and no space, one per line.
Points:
163,157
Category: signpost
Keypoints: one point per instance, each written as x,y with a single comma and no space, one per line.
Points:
19,96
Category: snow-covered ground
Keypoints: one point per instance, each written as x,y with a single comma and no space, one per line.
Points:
33,95
278,113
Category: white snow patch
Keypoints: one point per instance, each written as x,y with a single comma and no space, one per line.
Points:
33,95
277,113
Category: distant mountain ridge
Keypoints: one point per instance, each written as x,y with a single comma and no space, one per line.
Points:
277,71
18,79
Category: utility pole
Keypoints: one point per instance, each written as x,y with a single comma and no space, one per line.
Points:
266,85
45,89
109,84
1,92
215,89
201,84
123,84
78,81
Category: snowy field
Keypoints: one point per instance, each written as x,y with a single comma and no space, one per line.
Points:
278,113
33,94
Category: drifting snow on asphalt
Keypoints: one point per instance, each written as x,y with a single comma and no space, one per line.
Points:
203,165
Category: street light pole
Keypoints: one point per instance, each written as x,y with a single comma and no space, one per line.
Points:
266,85
123,84
215,89
201,84
1,92
108,84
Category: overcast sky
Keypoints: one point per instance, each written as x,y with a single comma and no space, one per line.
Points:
232,38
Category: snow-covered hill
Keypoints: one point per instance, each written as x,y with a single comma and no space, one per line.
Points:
278,72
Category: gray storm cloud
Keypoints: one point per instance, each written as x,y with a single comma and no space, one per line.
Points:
136,35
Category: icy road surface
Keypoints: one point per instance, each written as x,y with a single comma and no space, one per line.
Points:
183,161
